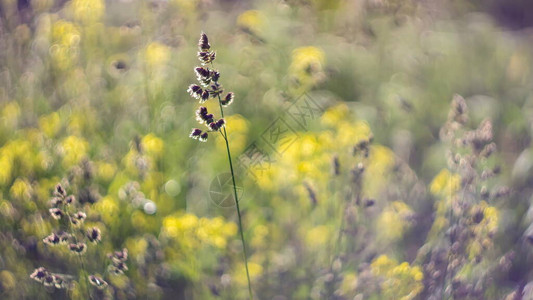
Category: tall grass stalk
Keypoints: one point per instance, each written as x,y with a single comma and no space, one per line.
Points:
245,255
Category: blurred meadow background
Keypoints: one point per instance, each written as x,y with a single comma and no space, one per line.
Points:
383,148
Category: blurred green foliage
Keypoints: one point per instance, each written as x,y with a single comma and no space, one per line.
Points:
359,204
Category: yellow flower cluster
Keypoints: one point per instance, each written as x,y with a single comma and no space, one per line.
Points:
50,124
156,55
193,232
11,114
18,157
65,42
400,281
445,184
237,129
394,221
153,145
87,11
307,67
252,21
483,228
73,149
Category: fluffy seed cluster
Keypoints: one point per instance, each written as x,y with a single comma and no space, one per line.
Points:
208,87
118,261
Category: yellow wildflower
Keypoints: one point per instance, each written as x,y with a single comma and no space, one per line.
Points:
20,189
317,236
307,66
74,150
11,114
394,221
50,124
153,145
65,40
237,128
87,11
252,20
156,55
400,281
445,183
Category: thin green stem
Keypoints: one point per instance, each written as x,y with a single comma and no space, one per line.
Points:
225,135
80,258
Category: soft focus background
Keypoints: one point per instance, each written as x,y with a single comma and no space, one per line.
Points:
363,198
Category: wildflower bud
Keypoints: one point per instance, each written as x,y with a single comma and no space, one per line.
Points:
484,193
60,191
337,265
335,165
195,91
203,43
78,218
79,248
226,101
56,213
206,57
488,150
216,90
478,216
52,240
70,199
215,75
203,75
93,234
39,274
119,256
202,116
203,137
56,201
58,281
48,280
369,202
311,193
215,126
497,170
195,133
204,97
97,282
502,192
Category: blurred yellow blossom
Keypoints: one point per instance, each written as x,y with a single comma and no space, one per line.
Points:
237,129
445,183
307,66
349,283
156,55
65,40
258,238
87,11
153,145
188,6
50,124
105,171
335,115
10,114
252,20
108,209
73,149
20,190
194,232
400,281
317,236
393,222
239,275
7,280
